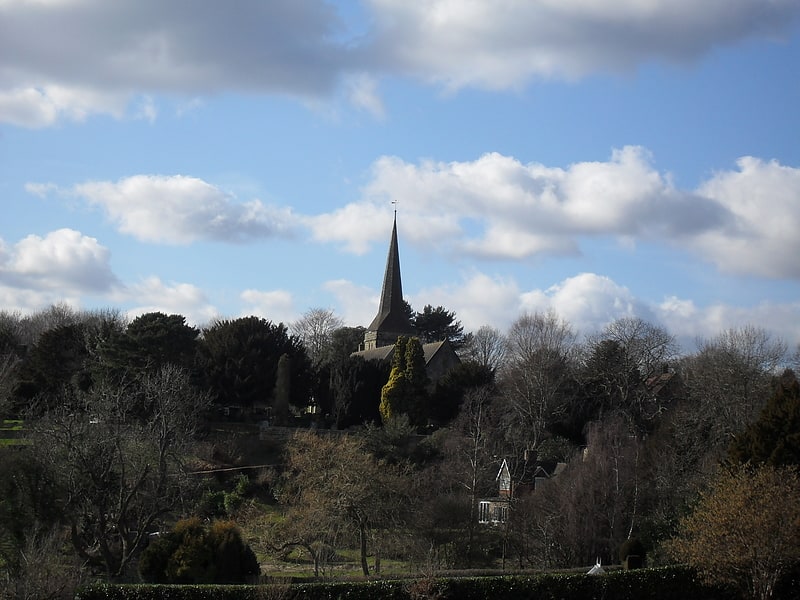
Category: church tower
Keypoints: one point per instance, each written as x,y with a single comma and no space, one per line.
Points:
391,321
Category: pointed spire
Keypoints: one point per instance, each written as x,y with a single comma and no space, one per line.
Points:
391,319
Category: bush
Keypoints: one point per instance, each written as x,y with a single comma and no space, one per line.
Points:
192,553
632,554
668,583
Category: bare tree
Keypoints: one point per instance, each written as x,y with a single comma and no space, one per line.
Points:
314,329
729,379
487,347
620,360
115,454
538,366
332,483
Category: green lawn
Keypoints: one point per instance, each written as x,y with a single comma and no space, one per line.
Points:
10,430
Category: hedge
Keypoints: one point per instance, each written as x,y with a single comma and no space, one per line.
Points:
667,583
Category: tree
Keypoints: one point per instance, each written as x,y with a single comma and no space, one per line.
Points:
315,330
356,386
58,360
148,343
535,378
591,507
745,530
728,381
331,482
487,347
239,361
438,324
405,392
194,553
774,439
115,456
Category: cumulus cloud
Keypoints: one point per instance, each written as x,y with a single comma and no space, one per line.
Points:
590,301
496,207
69,59
358,304
275,305
153,295
180,210
64,261
763,198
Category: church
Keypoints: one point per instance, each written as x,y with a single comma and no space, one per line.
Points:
391,322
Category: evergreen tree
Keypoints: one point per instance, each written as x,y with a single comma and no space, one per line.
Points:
774,439
283,389
439,324
405,392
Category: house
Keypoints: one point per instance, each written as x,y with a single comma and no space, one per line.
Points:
532,476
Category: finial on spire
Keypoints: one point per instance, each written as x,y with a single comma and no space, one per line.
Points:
394,202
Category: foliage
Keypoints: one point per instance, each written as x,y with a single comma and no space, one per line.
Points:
149,342
57,360
239,361
671,583
356,388
438,324
193,553
745,530
450,390
405,392
774,439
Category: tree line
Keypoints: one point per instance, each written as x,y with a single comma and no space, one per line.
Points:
116,413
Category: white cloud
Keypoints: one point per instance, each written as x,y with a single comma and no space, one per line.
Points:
180,210
764,199
100,55
358,305
64,261
590,301
153,295
744,221
276,305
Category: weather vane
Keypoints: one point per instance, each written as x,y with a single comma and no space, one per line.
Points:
394,202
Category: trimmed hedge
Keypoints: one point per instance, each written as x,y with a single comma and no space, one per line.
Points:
668,583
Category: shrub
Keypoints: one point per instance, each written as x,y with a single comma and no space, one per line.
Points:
192,553
632,554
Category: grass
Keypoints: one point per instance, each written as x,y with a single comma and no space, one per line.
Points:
10,433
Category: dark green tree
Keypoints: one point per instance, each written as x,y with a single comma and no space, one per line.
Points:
148,343
239,361
439,324
193,553
355,386
774,439
283,390
449,391
58,360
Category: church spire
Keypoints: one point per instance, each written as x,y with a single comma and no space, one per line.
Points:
391,320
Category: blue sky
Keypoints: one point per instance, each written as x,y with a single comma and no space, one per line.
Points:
598,159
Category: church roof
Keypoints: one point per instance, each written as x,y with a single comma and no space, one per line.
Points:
387,352
391,313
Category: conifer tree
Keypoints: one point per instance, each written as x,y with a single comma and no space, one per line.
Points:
774,439
405,392
283,388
